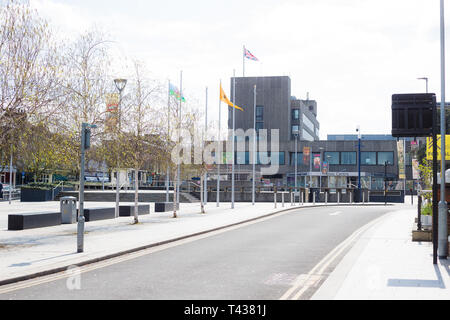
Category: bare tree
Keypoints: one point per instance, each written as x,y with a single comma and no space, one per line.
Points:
142,148
30,72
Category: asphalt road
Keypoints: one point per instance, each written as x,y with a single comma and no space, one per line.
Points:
257,261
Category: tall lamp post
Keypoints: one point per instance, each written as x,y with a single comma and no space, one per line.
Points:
120,85
442,225
296,161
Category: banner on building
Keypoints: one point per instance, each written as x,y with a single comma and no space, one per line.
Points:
401,160
325,167
112,104
306,155
415,169
317,161
430,147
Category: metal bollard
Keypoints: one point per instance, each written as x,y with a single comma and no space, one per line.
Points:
350,197
282,199
338,197
326,197
364,200
301,195
314,198
292,203
419,206
275,199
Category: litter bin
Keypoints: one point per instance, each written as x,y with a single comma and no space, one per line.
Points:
68,207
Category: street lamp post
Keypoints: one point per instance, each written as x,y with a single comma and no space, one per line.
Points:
120,85
254,144
296,161
442,215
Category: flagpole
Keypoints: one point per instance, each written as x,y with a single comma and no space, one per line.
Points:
232,142
219,153
168,138
179,120
254,143
204,141
243,62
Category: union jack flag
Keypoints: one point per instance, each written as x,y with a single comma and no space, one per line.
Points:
249,55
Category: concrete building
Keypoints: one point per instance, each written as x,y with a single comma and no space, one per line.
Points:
276,108
333,163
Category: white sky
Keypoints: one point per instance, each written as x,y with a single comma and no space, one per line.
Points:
350,55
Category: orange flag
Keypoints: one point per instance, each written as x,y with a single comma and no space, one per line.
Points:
224,98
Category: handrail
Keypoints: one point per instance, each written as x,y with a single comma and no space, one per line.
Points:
53,190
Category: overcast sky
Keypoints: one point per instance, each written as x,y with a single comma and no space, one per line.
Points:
350,55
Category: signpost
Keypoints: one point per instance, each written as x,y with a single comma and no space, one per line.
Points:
415,115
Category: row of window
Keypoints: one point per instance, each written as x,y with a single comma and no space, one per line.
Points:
367,158
335,158
350,158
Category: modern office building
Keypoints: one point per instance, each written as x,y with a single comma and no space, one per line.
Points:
276,108
332,163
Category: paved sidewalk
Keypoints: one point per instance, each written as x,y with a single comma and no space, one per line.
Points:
385,264
27,252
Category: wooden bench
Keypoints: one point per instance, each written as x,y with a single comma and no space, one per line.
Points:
128,211
30,220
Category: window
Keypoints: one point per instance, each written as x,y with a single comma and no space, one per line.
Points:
277,158
306,136
259,126
308,123
385,157
368,158
332,157
259,113
317,132
295,114
348,157
295,129
299,158
242,158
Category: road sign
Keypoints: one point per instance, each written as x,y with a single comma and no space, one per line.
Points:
412,114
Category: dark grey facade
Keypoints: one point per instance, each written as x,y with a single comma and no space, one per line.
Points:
275,108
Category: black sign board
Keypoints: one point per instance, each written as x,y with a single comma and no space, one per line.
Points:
412,114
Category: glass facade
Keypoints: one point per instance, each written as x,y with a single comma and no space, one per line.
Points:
259,113
262,158
368,158
259,126
332,157
295,114
385,157
348,157
299,158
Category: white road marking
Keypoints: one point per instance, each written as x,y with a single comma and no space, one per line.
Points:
335,213
301,285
